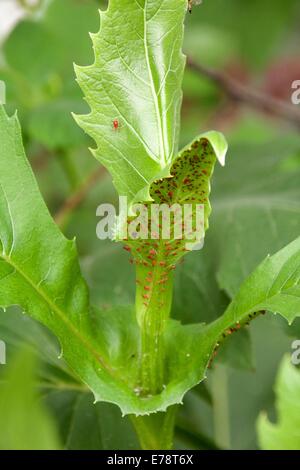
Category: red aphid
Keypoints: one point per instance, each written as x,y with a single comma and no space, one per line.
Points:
116,125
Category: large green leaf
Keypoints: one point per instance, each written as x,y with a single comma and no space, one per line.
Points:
136,80
39,270
285,435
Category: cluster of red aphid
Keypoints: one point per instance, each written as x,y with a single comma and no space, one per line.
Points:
188,183
187,176
231,330
148,254
157,277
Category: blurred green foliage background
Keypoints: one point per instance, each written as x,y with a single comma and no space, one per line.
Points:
255,203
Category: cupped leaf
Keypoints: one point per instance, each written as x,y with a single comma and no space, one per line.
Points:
285,434
188,184
134,90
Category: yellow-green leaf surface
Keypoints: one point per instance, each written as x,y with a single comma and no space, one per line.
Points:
134,90
285,433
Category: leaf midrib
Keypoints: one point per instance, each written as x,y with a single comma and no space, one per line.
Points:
154,95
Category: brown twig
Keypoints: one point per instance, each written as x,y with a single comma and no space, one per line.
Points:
243,94
78,196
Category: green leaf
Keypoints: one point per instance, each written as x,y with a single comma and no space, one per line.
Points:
274,286
136,80
285,435
25,423
255,208
191,171
39,271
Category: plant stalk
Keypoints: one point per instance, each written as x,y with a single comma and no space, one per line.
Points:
155,432
153,305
